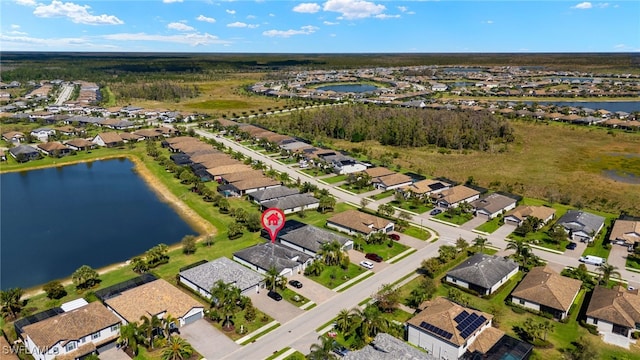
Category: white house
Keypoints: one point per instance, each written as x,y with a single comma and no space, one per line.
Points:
73,334
42,133
615,311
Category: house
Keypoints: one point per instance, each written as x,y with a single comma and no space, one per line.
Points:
625,232
580,225
23,153
454,196
42,133
108,139
274,193
425,187
262,257
223,160
393,181
250,185
357,222
493,205
518,215
544,290
447,330
614,311
203,277
54,148
482,273
292,203
130,137
308,238
218,171
8,351
344,164
79,144
154,298
13,137
242,176
387,347
148,134
439,87
71,334
378,171
3,156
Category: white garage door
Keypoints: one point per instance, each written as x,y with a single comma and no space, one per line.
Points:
193,318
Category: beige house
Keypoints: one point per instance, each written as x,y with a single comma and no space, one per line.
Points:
518,215
615,311
357,222
454,196
625,232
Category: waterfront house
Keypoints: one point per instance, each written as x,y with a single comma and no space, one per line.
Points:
203,277
108,139
23,153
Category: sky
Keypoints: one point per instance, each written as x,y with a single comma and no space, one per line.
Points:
331,26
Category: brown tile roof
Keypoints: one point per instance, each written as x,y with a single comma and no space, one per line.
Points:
254,183
150,299
493,203
52,146
423,186
524,211
456,194
181,139
242,176
189,146
11,134
379,171
485,341
221,161
228,169
626,230
148,133
79,143
617,306
66,129
393,179
211,155
110,137
359,221
71,325
544,286
441,312
130,136
6,352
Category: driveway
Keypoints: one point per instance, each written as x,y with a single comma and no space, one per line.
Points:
114,354
474,223
618,256
282,311
207,340
311,289
504,231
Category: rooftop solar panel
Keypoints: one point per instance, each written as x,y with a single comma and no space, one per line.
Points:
463,315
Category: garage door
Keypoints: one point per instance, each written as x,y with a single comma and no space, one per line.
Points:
193,318
107,346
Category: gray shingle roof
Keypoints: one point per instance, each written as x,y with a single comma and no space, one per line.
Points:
312,238
273,193
227,270
282,258
386,347
291,201
576,220
493,203
22,149
483,270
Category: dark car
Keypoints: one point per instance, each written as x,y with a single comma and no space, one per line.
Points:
435,212
274,295
395,237
374,257
339,349
571,246
295,284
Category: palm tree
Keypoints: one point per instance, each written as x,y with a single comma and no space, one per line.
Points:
344,321
177,349
315,268
275,279
522,250
480,242
370,323
323,350
129,337
332,253
148,328
327,202
607,270
167,322
10,301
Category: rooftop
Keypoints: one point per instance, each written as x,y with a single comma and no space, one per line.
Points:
227,270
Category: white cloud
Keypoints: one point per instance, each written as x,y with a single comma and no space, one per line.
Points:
16,32
26,2
230,12
583,5
602,5
329,23
488,22
402,8
193,39
354,9
15,26
272,15
206,19
79,14
22,42
239,24
386,16
309,8
180,26
172,1
305,30
251,17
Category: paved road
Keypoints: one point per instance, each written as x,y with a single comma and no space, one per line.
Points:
65,93
299,332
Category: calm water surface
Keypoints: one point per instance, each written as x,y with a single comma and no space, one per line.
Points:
346,88
55,220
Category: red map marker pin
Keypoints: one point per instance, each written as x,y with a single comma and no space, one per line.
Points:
273,222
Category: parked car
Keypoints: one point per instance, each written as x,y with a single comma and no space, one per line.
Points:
571,245
339,349
274,295
366,264
374,257
395,237
295,283
592,260
435,211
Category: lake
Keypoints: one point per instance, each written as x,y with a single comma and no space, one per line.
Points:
55,220
612,106
347,88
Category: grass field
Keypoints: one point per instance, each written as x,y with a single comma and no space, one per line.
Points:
490,226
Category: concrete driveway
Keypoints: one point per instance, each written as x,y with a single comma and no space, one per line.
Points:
311,289
504,231
207,340
474,223
282,311
114,354
618,256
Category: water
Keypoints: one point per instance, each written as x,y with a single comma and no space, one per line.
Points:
347,88
55,220
612,106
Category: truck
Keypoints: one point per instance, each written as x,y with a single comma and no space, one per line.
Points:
592,260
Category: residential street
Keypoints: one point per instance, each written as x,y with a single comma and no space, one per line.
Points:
299,332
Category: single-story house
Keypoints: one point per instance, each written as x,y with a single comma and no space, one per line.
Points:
482,273
24,153
543,289
292,203
79,144
263,257
308,238
580,225
344,164
274,193
378,171
493,205
357,222
202,278
211,155
108,139
241,176
130,137
247,186
71,334
54,148
13,136
425,187
221,161
452,197
180,159
518,215
218,171
155,298
387,347
447,330
615,311
390,182
625,232
150,134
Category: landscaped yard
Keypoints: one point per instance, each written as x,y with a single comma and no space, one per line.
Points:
416,232
382,195
416,207
633,263
384,250
454,219
356,189
334,276
491,225
291,297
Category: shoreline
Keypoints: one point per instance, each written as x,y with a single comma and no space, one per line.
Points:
195,221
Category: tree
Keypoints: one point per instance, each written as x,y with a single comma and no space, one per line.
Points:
462,244
148,328
189,244
522,251
431,266
332,253
54,290
322,350
253,222
370,322
274,279
85,277
10,302
177,349
168,322
387,298
138,265
480,242
208,240
129,337
607,270
327,202
187,177
546,327
422,293
583,349
156,255
344,321
235,231
386,210
315,268
447,253
224,206
364,202
557,234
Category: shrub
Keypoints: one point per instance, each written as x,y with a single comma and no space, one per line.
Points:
54,290
590,328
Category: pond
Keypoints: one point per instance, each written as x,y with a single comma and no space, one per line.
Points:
349,88
612,106
99,213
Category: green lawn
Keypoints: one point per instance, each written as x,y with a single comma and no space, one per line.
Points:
417,233
357,190
415,207
335,179
384,250
633,263
491,225
383,195
290,296
334,276
455,219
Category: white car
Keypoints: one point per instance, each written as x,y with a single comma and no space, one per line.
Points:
366,264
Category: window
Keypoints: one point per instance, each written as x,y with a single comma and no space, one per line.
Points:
95,335
70,346
115,327
83,340
595,321
521,302
637,326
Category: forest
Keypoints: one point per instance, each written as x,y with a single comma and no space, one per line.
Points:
397,126
158,91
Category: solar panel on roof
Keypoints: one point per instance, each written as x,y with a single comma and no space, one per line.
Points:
463,315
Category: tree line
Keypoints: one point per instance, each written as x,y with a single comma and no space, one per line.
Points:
158,91
397,126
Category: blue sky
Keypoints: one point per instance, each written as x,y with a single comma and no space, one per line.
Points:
331,26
